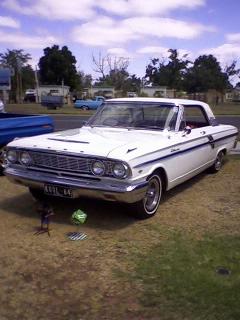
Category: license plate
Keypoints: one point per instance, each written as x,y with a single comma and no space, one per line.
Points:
59,191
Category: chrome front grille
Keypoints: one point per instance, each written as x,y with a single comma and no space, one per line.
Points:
65,163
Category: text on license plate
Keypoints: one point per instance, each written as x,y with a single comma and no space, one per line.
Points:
57,191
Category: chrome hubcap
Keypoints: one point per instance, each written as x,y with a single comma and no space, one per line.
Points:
153,194
219,161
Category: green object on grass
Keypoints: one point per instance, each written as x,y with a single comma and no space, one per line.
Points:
78,217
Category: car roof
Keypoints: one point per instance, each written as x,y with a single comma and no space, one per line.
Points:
184,102
166,100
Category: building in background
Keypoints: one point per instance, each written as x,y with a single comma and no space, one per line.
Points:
35,95
157,92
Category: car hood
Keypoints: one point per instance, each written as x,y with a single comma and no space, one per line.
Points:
103,142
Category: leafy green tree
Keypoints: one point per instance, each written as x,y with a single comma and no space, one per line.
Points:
168,73
85,80
58,66
23,74
132,84
205,74
28,77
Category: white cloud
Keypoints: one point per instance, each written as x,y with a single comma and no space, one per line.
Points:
233,37
165,27
53,9
224,53
107,32
84,9
144,8
154,50
103,32
120,52
19,40
9,22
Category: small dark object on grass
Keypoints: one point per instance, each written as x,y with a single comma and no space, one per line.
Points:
45,212
223,271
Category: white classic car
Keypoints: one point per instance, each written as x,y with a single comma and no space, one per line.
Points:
131,150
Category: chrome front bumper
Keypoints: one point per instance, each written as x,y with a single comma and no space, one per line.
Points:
110,190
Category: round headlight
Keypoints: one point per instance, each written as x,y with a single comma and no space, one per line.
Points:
120,170
98,168
25,158
12,156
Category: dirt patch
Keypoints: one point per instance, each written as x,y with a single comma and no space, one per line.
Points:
55,278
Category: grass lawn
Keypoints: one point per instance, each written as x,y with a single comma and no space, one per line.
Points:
226,109
163,268
179,278
221,109
34,108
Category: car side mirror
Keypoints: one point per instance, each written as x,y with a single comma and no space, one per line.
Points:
187,130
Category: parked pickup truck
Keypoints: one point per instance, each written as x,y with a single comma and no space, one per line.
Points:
14,126
52,102
131,150
89,104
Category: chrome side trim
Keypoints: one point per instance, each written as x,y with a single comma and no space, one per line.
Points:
184,150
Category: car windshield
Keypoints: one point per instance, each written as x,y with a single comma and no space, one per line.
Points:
136,115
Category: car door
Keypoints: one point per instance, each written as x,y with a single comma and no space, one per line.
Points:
194,146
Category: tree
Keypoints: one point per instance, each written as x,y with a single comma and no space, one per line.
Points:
85,80
113,71
132,84
205,74
170,72
232,71
28,77
23,77
105,65
58,66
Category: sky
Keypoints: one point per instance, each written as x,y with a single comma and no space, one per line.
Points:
135,29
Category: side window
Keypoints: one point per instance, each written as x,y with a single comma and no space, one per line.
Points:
194,117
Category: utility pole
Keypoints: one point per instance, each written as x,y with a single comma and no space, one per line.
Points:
19,81
37,85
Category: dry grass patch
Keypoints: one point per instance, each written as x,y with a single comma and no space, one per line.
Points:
101,277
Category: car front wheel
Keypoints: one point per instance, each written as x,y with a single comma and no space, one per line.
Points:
148,206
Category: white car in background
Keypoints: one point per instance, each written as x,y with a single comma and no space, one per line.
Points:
131,150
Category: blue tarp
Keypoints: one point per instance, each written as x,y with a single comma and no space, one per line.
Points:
18,125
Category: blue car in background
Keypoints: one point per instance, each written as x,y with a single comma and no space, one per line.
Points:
89,104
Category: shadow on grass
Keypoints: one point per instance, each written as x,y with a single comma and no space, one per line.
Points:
100,214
